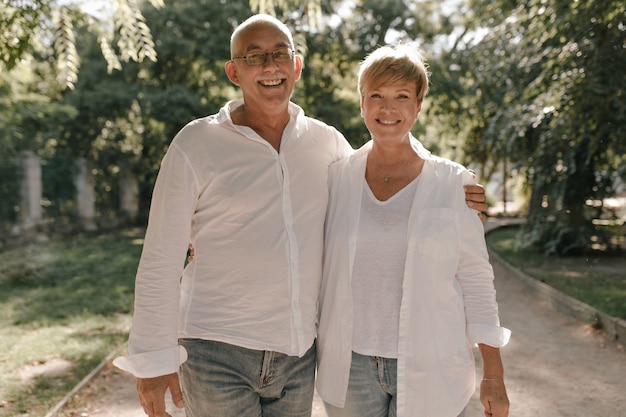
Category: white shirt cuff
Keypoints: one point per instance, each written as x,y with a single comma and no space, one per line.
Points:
154,363
494,336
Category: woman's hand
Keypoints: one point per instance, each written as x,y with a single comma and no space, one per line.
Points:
494,398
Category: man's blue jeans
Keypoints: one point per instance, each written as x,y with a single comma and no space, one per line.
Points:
222,380
372,390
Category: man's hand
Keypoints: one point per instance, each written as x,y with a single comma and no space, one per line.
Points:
191,253
151,392
475,198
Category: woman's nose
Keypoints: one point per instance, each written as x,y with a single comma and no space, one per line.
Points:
387,104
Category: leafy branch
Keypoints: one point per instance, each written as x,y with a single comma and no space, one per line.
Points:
67,60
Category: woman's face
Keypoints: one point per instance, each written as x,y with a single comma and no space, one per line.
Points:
390,111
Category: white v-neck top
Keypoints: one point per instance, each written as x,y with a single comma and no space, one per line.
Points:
379,271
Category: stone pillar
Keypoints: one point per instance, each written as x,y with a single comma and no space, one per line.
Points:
129,192
85,197
30,190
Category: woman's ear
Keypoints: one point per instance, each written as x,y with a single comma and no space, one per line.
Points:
419,110
362,99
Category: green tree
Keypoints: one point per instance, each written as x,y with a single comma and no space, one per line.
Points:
30,113
543,89
38,24
579,131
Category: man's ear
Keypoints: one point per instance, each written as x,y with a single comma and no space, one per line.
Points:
231,72
299,65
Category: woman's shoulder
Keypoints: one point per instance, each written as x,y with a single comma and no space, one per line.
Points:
445,165
452,171
350,160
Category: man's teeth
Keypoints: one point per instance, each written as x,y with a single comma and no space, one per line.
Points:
387,122
271,82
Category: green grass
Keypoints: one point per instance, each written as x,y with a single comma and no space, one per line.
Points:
67,300
598,279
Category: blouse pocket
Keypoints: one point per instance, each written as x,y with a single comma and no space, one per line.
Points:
436,234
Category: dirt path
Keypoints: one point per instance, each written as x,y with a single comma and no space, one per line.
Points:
555,367
112,394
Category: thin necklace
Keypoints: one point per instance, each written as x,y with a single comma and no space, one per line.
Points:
386,178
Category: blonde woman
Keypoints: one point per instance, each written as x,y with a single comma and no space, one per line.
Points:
407,285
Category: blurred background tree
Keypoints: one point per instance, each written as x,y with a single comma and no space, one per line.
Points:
50,27
530,88
541,90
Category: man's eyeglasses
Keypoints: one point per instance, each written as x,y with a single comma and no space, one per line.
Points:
259,58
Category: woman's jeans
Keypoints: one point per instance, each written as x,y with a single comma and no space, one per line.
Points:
372,390
224,380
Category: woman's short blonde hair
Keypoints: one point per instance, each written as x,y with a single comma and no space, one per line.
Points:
391,65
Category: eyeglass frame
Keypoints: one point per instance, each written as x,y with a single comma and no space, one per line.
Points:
292,54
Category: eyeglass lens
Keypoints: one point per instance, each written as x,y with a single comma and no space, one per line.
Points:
279,55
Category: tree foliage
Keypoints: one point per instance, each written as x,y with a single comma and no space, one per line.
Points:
531,85
544,90
18,23
29,26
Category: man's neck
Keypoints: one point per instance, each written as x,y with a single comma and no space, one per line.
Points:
269,123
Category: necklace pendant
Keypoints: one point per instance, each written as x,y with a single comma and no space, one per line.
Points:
386,179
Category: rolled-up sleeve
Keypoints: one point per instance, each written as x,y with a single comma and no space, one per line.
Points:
476,277
152,364
153,342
